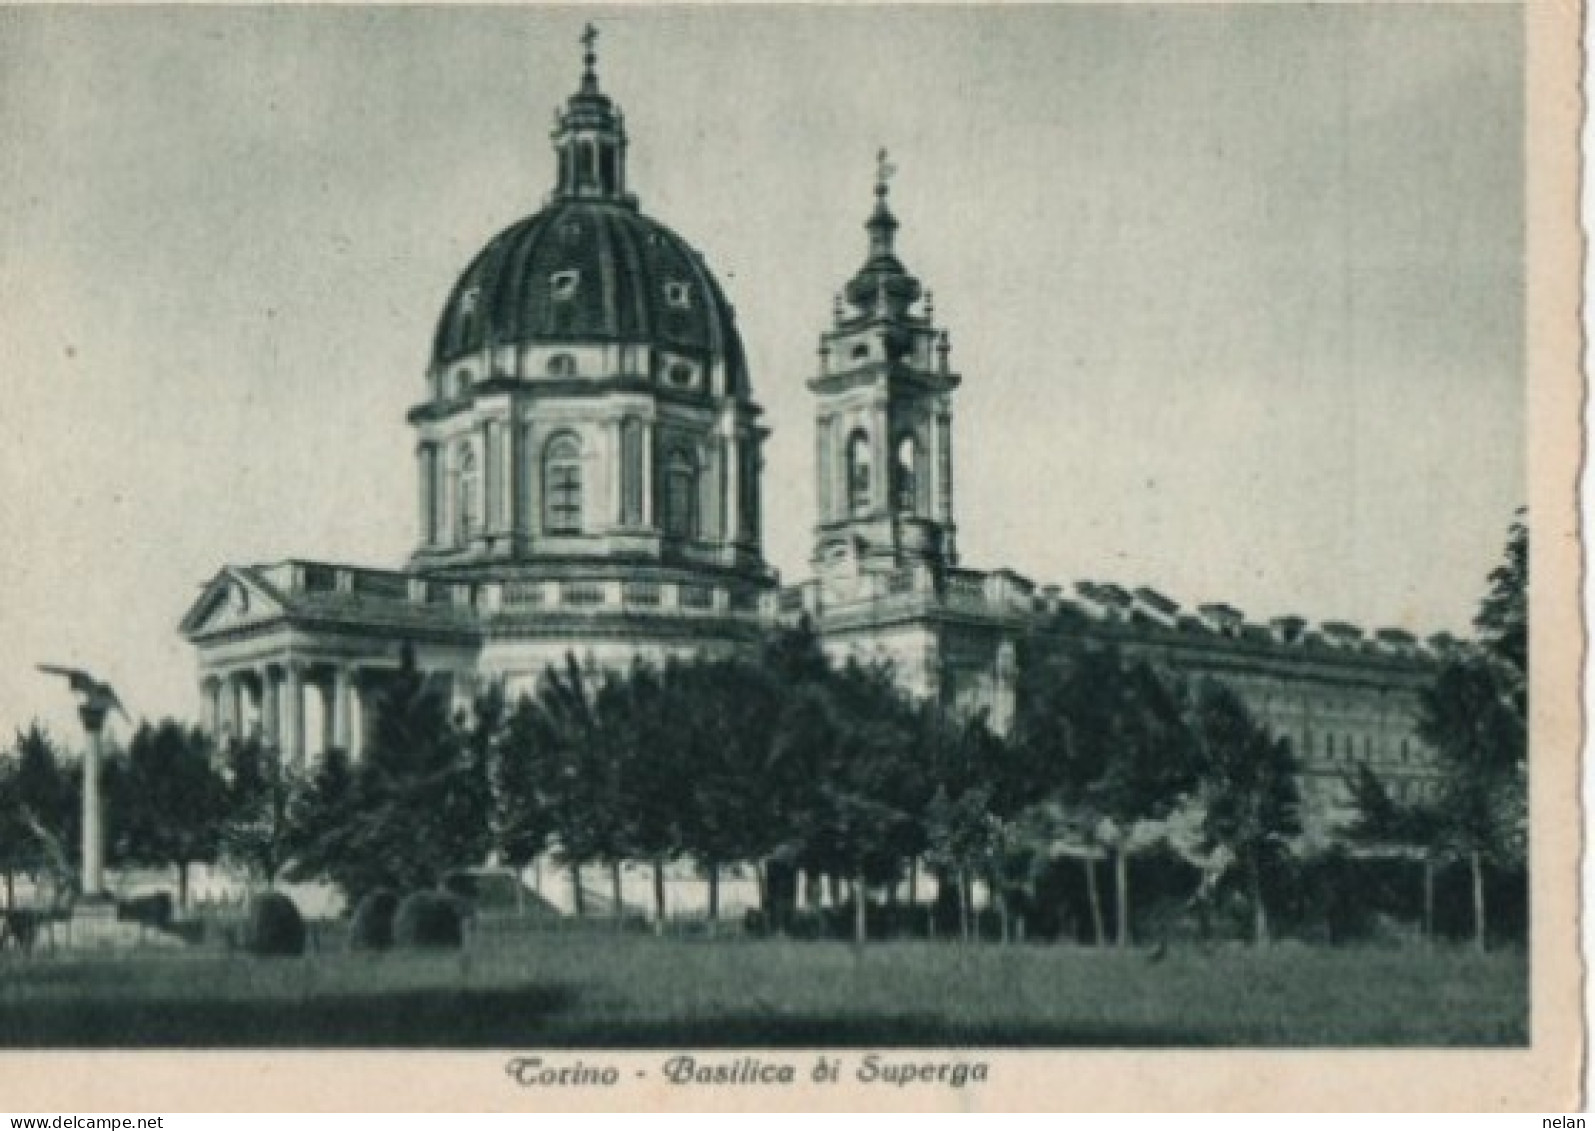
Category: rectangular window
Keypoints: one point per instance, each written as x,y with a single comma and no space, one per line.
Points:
565,499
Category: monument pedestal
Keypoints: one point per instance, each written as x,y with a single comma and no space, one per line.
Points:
94,922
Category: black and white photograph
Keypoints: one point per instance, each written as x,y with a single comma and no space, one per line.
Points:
686,549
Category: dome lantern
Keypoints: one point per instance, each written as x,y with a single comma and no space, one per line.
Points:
590,138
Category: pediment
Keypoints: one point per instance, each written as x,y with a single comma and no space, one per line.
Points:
232,599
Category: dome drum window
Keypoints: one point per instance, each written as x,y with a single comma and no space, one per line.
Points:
561,365
562,485
681,495
467,511
681,375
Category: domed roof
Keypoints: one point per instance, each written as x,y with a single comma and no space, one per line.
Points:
590,268
590,271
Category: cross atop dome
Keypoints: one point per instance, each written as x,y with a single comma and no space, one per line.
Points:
589,40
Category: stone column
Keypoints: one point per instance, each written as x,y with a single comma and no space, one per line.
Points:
93,717
733,487
293,715
357,716
825,474
270,707
254,705
508,504
211,705
881,457
944,465
490,471
341,692
648,473
427,457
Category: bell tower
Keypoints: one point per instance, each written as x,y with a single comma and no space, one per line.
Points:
883,421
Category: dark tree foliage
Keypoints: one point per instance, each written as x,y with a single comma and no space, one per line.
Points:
38,811
256,834
420,795
324,819
1503,617
171,805
1471,716
1248,782
1113,744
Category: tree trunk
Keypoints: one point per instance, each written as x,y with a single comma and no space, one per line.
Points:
963,904
659,893
1259,910
615,887
1121,892
1476,864
1095,897
714,895
830,890
860,931
1000,898
578,904
1428,901
11,890
913,881
182,885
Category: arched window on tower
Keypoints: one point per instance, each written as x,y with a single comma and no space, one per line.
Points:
562,485
467,512
859,473
681,495
906,485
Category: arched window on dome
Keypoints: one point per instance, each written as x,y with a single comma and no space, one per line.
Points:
906,484
468,486
681,495
562,485
859,473
562,365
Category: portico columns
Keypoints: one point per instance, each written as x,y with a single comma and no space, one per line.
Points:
210,705
338,716
270,706
357,717
293,721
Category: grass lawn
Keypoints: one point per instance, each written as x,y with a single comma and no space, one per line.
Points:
637,991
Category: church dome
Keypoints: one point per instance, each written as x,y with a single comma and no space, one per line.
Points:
590,268
591,271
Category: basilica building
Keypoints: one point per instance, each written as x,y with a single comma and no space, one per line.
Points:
588,462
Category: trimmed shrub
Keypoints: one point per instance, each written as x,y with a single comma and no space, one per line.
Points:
275,926
371,928
428,919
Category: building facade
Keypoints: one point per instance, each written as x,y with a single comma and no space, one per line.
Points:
589,456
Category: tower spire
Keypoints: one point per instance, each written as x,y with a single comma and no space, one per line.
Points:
882,224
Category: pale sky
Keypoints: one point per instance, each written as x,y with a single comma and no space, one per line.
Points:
1236,292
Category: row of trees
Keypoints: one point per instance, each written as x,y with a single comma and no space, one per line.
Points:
783,759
